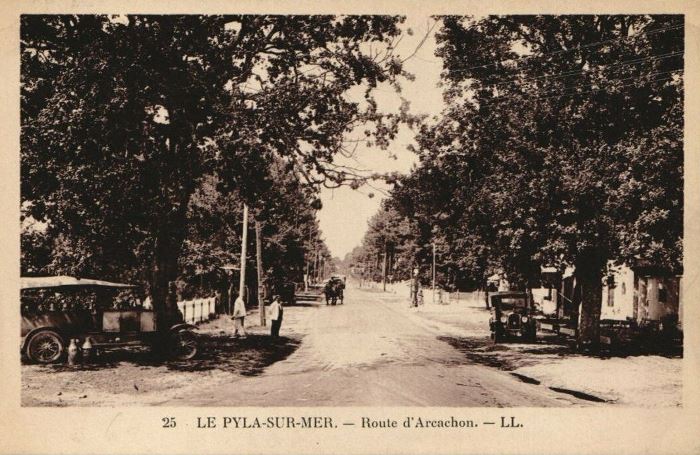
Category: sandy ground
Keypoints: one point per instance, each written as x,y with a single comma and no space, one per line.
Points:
371,351
624,379
135,377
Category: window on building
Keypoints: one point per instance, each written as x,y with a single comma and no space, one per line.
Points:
611,291
663,293
623,288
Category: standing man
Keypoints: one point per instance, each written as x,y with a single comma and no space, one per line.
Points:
230,292
239,317
276,314
415,288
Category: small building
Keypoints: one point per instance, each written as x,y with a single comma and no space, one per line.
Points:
546,296
497,283
643,294
546,299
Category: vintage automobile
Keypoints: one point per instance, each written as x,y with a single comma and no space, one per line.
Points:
58,309
512,315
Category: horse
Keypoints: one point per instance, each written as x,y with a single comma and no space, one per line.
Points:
333,290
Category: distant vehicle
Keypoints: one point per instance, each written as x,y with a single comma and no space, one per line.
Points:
512,316
342,278
58,309
333,290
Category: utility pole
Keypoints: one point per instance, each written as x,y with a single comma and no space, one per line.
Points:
258,257
384,269
244,244
307,276
316,262
433,272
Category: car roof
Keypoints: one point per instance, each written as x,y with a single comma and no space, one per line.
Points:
64,281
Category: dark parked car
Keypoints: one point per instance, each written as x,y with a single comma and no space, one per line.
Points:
58,309
512,316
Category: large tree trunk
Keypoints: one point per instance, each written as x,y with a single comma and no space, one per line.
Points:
162,283
170,231
589,279
485,286
168,244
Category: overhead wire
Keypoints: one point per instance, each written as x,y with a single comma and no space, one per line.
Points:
562,51
590,70
639,80
522,83
277,87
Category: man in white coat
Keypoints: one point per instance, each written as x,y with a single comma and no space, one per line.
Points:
239,318
276,312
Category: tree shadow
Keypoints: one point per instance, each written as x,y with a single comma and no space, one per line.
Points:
246,356
513,355
304,304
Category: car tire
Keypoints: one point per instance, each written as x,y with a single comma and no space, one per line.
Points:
183,345
46,347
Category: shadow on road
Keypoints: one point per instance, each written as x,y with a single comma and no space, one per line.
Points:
511,356
248,356
305,304
483,351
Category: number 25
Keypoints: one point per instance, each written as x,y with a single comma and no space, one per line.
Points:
168,422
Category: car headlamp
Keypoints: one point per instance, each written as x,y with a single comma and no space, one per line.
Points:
524,318
504,319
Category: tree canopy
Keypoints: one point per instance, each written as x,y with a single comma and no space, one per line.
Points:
130,123
561,145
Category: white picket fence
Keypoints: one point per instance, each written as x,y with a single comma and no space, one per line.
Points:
471,297
197,310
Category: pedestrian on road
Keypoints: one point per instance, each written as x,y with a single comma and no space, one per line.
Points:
239,318
276,314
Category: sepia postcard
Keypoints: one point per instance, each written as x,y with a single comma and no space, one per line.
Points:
362,227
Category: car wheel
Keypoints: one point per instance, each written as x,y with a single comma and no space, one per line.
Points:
183,345
46,347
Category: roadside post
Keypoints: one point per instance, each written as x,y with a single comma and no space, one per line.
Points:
414,287
433,272
258,256
384,268
244,244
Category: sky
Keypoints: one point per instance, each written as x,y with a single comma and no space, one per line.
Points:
345,211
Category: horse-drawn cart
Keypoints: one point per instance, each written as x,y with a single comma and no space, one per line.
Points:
333,290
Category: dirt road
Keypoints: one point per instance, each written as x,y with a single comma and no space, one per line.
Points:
371,351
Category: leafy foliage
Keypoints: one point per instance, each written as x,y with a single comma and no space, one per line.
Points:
561,145
389,236
134,127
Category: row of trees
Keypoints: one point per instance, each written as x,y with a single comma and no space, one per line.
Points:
141,137
388,247
561,145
